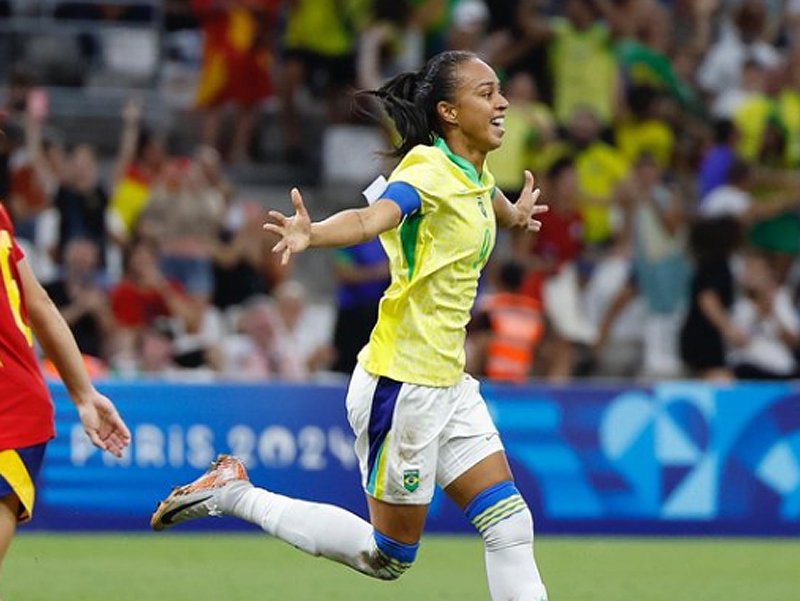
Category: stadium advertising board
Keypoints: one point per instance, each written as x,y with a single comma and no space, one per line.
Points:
675,458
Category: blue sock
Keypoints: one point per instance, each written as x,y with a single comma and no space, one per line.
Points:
399,556
493,505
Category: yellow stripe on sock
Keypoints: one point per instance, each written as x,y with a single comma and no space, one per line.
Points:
16,474
395,565
497,506
499,511
500,517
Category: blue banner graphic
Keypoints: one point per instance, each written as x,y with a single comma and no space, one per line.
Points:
675,458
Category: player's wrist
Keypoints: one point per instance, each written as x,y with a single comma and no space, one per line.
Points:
314,235
83,397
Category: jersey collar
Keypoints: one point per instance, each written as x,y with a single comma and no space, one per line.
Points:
466,167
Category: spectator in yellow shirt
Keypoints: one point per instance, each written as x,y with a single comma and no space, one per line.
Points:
642,131
530,125
320,45
601,168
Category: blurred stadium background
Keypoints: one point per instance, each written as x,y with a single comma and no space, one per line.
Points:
639,355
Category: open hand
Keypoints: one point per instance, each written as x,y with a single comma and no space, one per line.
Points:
294,232
526,205
103,425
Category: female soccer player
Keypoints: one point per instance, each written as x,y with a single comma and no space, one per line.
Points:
419,419
26,413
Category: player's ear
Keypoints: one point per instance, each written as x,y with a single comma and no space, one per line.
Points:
447,112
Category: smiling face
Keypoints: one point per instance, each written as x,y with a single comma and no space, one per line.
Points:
476,117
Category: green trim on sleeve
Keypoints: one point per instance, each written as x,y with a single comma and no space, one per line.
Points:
409,231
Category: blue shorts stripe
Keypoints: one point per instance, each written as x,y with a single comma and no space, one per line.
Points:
489,497
23,467
380,416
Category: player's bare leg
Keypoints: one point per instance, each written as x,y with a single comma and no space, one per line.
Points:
9,508
316,528
402,523
487,494
492,470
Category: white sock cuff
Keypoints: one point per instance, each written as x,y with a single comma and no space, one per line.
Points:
516,529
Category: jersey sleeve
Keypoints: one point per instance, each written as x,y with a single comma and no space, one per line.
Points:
404,196
16,254
418,170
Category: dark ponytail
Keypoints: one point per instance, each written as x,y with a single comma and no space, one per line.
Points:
410,99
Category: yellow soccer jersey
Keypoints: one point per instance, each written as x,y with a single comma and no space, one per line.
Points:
651,136
789,118
751,119
435,257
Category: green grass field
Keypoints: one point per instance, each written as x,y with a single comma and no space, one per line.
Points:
187,567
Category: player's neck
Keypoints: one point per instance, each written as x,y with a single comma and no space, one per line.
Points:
459,146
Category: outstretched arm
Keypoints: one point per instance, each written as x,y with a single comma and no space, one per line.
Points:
131,130
520,214
344,228
100,419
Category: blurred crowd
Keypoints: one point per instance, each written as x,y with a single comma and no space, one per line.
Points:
160,268
665,135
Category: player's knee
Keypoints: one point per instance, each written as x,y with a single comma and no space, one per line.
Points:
501,516
516,530
392,558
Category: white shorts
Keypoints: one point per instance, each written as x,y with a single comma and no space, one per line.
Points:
410,438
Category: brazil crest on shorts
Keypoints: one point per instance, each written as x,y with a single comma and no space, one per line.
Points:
411,480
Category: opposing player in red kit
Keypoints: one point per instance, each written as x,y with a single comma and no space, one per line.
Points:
26,412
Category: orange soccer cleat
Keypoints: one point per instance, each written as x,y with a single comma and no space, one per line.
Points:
202,497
